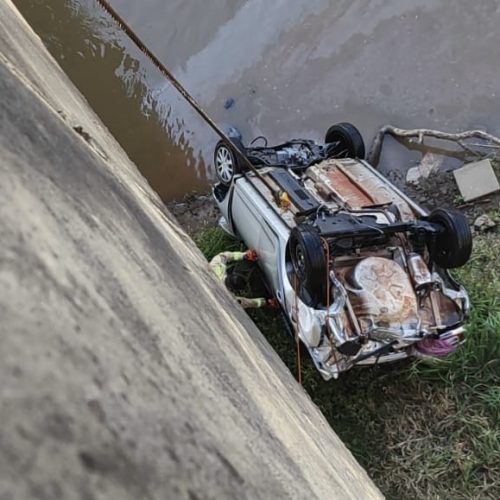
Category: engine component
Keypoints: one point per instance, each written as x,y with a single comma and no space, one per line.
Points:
419,271
297,154
299,196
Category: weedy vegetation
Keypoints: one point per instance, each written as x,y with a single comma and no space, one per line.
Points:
422,430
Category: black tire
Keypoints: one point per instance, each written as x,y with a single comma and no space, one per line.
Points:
226,161
349,141
309,262
453,247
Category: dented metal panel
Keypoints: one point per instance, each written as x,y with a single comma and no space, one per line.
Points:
358,187
381,290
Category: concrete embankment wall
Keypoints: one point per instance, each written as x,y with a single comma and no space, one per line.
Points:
126,371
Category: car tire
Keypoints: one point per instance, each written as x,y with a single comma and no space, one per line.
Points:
226,161
309,262
349,141
453,247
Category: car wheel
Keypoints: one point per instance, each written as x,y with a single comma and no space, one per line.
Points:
344,140
453,247
308,259
226,161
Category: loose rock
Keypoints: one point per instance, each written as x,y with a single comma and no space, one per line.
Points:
484,223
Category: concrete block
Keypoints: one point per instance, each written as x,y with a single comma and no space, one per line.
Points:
476,179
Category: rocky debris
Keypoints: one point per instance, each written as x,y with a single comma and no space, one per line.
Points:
484,223
195,212
430,163
440,190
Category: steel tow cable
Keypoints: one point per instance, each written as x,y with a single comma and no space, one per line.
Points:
277,194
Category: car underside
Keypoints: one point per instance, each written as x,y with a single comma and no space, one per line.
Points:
360,270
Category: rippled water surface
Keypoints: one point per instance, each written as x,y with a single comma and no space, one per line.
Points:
292,67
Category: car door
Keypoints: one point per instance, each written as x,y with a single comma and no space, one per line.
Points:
251,218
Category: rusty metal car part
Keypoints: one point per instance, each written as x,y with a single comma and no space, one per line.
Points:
419,271
356,187
393,297
382,290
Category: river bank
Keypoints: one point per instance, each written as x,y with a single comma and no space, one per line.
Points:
195,212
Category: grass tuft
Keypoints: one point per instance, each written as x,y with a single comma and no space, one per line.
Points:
214,240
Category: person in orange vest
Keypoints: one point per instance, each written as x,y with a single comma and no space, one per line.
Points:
235,282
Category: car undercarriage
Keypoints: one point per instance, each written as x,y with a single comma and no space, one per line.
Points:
363,277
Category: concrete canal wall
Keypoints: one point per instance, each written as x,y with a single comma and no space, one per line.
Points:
126,371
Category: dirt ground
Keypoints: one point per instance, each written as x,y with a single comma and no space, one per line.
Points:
195,212
440,190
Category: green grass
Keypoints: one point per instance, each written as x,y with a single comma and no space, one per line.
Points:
427,431
213,240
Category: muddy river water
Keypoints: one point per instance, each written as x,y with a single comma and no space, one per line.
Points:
290,68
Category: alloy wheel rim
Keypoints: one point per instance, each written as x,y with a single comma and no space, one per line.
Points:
224,164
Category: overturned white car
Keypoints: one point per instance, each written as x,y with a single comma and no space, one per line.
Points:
359,269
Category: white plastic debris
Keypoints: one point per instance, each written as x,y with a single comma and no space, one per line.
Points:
429,164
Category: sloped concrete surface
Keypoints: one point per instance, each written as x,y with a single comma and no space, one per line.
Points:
126,370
